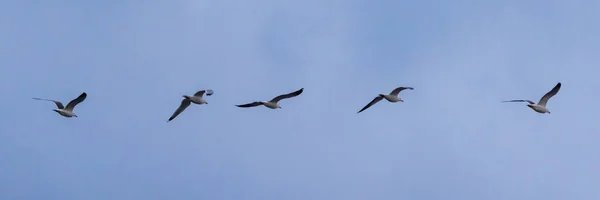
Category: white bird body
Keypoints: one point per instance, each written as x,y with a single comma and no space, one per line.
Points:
65,113
187,100
392,97
273,103
195,99
68,110
540,107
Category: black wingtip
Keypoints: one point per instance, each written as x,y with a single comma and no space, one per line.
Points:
558,86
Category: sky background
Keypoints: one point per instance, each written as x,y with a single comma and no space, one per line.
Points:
450,139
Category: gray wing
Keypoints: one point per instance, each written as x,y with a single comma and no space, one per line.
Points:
285,96
548,95
253,104
184,104
76,101
58,103
201,92
375,100
399,89
528,101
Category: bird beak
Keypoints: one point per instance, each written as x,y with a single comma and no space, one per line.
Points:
549,112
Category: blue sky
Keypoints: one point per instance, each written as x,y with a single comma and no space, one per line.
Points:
450,139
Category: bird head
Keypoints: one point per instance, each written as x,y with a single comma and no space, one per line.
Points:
75,116
278,106
548,111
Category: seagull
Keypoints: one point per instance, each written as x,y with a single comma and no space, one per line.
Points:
197,99
392,97
66,111
273,103
540,107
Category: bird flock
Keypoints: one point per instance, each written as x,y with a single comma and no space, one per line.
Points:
198,98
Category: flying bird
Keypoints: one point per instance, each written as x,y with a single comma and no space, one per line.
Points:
273,104
66,111
197,99
540,107
392,97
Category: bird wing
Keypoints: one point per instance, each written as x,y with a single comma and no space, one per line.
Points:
76,101
201,92
374,101
285,96
548,95
58,103
184,104
519,100
256,103
399,89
